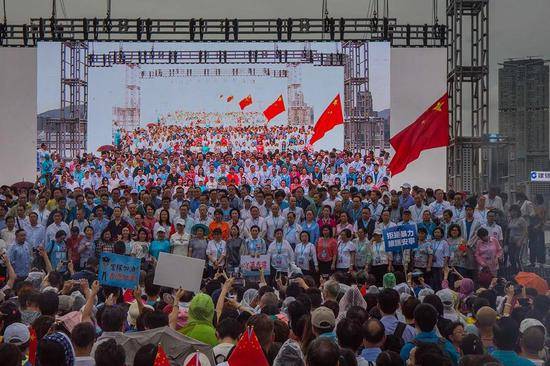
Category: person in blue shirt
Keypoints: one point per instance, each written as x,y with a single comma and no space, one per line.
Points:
374,337
57,251
425,317
506,337
20,254
161,244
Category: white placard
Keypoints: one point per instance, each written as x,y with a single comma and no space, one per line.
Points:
540,176
177,271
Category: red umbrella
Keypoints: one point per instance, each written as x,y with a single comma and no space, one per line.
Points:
22,185
149,125
106,148
532,280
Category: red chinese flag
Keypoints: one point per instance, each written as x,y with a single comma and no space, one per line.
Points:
160,358
331,117
245,102
229,98
33,345
248,351
429,131
276,108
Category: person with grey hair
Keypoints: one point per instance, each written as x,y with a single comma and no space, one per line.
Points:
331,290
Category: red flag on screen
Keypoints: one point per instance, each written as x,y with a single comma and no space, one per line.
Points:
331,117
428,131
245,102
33,345
248,351
229,98
160,358
276,108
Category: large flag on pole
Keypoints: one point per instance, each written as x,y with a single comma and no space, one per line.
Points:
331,117
276,108
428,131
245,102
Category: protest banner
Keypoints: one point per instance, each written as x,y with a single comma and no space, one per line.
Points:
177,271
119,270
400,237
251,265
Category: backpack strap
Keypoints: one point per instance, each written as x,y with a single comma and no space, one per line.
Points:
400,329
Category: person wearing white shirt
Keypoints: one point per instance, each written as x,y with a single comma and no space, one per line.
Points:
55,227
292,230
480,213
274,221
493,228
304,254
216,250
42,212
179,241
36,233
281,253
345,259
458,209
255,219
439,205
493,201
298,211
418,208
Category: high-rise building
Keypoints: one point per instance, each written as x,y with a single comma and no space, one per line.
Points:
523,117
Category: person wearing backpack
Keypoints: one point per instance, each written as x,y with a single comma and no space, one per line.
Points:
425,317
388,303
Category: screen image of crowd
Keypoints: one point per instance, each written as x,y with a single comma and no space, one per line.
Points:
331,295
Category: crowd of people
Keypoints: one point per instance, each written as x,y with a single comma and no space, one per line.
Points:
211,119
333,295
260,138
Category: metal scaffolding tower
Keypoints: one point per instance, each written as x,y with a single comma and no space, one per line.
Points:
127,117
466,169
67,134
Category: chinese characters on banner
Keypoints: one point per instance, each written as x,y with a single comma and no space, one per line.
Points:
119,270
251,265
399,238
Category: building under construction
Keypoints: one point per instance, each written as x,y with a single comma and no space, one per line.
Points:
524,117
363,130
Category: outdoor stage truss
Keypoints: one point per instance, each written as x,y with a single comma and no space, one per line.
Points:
468,20
465,169
288,29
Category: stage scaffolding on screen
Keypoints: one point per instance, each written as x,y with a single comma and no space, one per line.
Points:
67,133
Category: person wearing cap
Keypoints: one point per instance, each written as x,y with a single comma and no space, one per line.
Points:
532,340
506,337
179,241
160,244
381,260
323,323
18,334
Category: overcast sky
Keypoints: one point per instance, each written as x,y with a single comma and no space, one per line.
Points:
518,28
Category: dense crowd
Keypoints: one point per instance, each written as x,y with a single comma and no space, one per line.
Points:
185,118
333,295
259,138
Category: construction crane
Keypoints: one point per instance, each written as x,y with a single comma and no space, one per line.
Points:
54,8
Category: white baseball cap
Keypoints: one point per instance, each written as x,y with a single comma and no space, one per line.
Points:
180,222
530,323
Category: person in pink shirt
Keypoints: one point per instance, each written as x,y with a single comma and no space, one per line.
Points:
488,252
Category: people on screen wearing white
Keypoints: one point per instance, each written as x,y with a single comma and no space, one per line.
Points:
345,259
305,254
